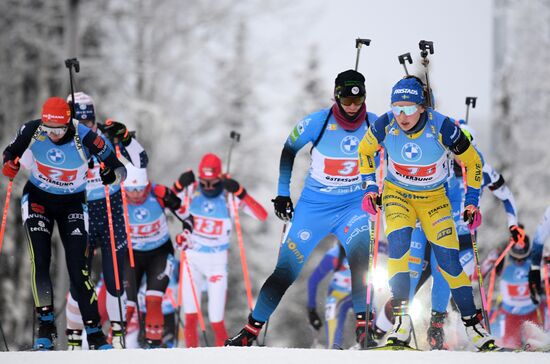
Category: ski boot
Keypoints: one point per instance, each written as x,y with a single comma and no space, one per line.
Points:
436,334
153,344
364,332
74,339
247,335
400,335
117,335
47,332
96,338
477,334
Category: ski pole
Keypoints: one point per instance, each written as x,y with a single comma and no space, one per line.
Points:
480,282
115,262
373,250
472,101
70,63
358,43
195,297
403,59
427,47
235,138
6,208
494,273
242,252
546,285
180,275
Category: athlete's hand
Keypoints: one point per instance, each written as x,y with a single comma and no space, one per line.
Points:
314,319
234,187
10,169
472,216
186,179
535,286
117,131
183,240
283,207
517,234
369,202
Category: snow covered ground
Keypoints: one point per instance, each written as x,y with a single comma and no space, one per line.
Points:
267,356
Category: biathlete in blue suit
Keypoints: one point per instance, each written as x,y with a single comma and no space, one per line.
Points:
328,204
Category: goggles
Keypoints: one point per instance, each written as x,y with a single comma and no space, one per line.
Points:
135,188
348,100
209,184
54,130
408,110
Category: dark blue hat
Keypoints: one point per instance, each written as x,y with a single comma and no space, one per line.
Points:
408,89
83,106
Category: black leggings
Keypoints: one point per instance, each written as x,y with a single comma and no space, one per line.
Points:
40,211
154,265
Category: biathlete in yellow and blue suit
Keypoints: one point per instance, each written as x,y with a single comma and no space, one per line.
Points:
417,140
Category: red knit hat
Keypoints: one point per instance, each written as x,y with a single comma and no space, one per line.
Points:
210,166
56,110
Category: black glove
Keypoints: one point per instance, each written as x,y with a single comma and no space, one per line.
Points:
108,176
535,286
188,224
314,319
170,199
517,233
117,131
232,186
186,179
283,207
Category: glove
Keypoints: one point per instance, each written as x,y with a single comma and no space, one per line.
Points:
314,319
234,187
517,234
10,169
186,179
472,215
369,202
283,207
183,240
117,131
107,175
535,286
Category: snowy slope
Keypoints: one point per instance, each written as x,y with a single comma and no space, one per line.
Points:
267,356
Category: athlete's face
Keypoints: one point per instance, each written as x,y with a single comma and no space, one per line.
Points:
407,114
54,131
351,105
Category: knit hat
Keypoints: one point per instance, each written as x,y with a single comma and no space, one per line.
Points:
55,110
349,83
408,89
83,107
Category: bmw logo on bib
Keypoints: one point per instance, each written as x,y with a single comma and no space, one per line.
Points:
411,152
207,207
56,156
349,144
141,214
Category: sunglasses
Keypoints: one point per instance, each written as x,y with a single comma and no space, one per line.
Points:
408,110
209,184
54,130
135,188
347,101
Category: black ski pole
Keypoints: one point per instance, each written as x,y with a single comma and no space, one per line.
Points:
358,43
471,100
4,337
235,138
403,59
70,64
427,47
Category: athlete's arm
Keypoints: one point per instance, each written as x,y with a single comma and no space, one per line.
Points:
453,137
496,184
21,142
541,235
98,147
368,147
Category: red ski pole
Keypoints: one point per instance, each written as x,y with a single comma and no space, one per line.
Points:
6,208
546,285
115,260
242,253
195,297
494,273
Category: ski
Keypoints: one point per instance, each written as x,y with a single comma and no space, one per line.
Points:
393,347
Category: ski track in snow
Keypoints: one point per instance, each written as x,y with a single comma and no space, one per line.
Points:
266,355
